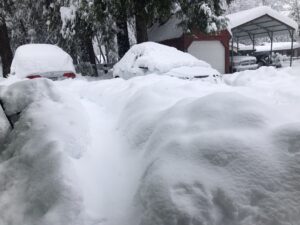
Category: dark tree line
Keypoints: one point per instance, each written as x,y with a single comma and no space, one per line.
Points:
77,25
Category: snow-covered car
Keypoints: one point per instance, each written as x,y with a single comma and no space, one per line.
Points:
42,60
241,63
152,58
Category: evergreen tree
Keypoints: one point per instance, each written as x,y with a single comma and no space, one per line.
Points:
5,47
146,12
75,25
120,11
239,5
295,10
203,15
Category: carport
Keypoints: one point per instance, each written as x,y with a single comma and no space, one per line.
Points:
258,23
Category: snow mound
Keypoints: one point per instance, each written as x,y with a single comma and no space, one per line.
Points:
40,58
155,58
4,126
208,153
37,180
205,163
17,96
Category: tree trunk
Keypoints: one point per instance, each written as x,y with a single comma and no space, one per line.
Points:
122,36
91,54
141,21
5,49
141,29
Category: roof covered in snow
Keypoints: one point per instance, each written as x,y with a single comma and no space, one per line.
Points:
277,46
168,30
260,21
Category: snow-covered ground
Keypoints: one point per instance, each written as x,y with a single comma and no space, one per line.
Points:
153,150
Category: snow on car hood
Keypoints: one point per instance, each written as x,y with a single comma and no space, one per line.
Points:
192,72
150,57
40,58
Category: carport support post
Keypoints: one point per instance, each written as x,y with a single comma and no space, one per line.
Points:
231,55
237,46
271,50
292,48
253,42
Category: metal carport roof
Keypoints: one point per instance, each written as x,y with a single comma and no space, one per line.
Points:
260,22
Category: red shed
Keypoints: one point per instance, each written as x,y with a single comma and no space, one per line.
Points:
212,48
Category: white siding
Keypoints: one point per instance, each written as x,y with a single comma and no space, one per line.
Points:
213,52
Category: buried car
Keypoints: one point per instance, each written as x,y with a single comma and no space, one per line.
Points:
152,58
242,63
42,60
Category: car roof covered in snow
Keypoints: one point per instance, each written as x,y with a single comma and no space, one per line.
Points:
154,58
40,58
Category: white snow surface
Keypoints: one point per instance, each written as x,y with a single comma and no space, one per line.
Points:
153,150
156,58
242,58
168,30
277,46
33,59
267,46
242,17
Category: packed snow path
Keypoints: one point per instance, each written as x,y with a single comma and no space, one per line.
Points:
106,170
153,150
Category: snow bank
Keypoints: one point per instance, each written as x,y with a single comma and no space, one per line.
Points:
4,126
209,153
40,58
37,180
151,57
217,154
210,164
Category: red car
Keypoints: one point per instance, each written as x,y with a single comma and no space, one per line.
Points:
42,60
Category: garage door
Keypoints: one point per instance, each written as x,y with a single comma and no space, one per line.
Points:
212,52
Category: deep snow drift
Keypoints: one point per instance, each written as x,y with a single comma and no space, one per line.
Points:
153,150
